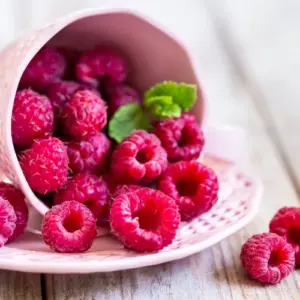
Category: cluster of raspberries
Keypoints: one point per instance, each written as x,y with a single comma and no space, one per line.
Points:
270,257
142,188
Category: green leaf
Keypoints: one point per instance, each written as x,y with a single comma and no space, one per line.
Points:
182,94
160,110
126,119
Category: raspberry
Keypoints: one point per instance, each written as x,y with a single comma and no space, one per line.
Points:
267,257
16,198
286,223
181,137
46,67
60,92
69,227
87,189
32,118
193,186
145,220
90,154
84,114
139,158
45,165
121,95
101,63
7,221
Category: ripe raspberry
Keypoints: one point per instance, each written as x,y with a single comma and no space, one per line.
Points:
139,158
99,63
181,137
69,227
46,67
145,220
286,223
90,154
84,114
87,189
267,257
45,165
193,186
7,221
16,198
122,95
32,118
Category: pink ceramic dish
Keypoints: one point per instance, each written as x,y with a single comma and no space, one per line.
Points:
154,55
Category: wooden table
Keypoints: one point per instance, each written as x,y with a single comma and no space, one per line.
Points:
248,58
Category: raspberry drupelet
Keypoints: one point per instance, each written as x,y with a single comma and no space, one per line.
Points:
267,257
139,158
193,186
181,137
145,220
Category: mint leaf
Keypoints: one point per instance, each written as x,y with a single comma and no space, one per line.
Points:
160,110
182,94
126,119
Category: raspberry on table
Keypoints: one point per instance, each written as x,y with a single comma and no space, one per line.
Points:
46,67
32,118
193,186
89,154
267,257
8,221
69,227
121,95
17,199
145,220
286,223
45,165
181,137
100,63
84,114
88,189
139,158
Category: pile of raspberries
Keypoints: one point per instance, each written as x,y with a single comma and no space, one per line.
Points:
142,187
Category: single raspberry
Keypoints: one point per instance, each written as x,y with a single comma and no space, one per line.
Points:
181,137
101,63
89,154
145,220
7,221
122,95
17,199
32,118
84,114
45,165
286,223
193,186
139,158
267,257
69,227
88,189
47,66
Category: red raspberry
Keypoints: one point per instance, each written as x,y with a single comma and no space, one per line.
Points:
122,95
181,137
32,118
101,63
286,223
69,227
145,220
16,198
267,257
84,114
7,221
87,189
193,186
47,66
139,158
45,165
90,154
